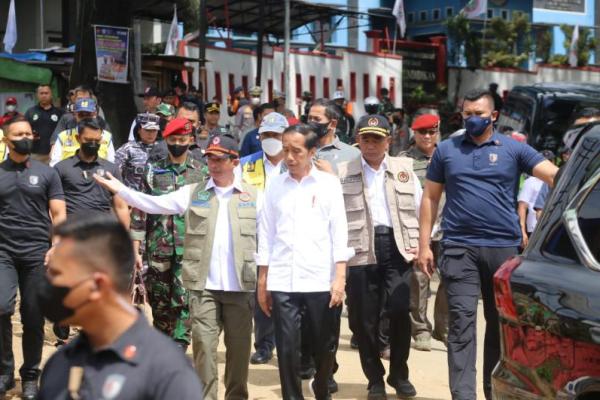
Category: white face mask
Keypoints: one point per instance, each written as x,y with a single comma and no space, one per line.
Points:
255,101
11,108
272,146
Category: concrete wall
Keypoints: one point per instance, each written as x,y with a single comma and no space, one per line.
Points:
241,64
506,80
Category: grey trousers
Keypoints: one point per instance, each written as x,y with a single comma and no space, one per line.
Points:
213,311
468,271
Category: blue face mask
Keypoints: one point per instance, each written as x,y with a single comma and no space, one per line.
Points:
476,126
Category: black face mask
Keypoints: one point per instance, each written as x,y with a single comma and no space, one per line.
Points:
51,300
318,128
90,149
397,120
23,146
177,150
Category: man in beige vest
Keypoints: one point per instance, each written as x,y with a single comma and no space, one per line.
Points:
381,195
218,262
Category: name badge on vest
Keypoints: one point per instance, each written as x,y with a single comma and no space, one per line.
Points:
200,204
247,204
351,179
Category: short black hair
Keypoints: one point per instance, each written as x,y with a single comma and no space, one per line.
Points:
13,120
188,105
311,139
331,109
41,85
84,88
384,92
261,109
476,94
103,243
90,123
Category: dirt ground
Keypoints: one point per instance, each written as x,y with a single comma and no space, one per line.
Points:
428,370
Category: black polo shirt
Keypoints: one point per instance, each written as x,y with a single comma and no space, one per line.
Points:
43,123
141,364
25,192
82,193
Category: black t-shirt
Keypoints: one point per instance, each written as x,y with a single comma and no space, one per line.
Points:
142,364
43,123
25,192
82,192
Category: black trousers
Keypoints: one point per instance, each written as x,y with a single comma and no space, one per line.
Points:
366,286
324,325
26,275
466,272
264,332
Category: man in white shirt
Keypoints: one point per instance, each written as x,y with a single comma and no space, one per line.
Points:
382,196
302,256
218,262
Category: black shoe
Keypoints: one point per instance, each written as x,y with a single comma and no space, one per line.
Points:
7,382
312,390
377,391
30,390
261,356
403,388
332,385
353,343
307,373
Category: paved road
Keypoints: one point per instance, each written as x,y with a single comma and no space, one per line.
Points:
428,370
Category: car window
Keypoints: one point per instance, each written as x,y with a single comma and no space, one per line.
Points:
516,114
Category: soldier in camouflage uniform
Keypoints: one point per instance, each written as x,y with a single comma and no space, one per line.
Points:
164,234
427,134
132,157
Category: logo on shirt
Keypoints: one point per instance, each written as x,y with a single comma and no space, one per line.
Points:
112,386
203,196
403,176
34,180
54,117
35,117
100,172
493,158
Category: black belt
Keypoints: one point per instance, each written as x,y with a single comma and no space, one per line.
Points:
383,230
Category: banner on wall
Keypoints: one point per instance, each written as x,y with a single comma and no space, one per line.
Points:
112,53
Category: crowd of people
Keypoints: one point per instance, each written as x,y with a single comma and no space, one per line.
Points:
264,225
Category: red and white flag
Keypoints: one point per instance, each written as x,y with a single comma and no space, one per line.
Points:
398,12
173,38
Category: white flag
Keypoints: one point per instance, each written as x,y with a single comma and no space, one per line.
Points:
10,35
173,38
398,12
475,8
573,48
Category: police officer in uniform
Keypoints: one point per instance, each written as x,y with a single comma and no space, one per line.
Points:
381,195
479,172
164,234
67,145
426,129
218,262
131,158
117,355
30,193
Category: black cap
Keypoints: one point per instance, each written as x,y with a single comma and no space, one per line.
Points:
222,146
213,106
373,125
150,91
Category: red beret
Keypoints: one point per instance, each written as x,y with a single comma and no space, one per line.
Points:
178,126
425,121
11,100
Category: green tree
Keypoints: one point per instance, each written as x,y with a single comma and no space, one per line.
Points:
507,43
459,32
585,44
543,45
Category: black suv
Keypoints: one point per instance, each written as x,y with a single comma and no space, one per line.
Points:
544,111
548,298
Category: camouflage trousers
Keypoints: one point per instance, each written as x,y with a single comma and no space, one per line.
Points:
169,300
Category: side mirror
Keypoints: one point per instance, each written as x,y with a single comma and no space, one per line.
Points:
571,222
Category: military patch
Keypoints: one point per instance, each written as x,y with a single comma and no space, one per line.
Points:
35,117
203,196
54,117
245,196
351,179
373,122
112,386
403,177
247,204
200,204
33,180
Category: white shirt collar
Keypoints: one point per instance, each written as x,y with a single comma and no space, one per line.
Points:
237,184
382,166
267,161
312,174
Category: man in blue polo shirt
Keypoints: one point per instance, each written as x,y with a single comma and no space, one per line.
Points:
479,171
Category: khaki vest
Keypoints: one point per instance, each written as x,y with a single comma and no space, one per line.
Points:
70,145
3,148
399,193
200,221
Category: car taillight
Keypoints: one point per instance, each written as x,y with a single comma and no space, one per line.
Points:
502,292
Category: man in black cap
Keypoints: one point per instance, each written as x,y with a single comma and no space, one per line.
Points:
382,196
152,100
212,114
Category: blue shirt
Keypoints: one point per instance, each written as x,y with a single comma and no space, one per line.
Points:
251,143
481,184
